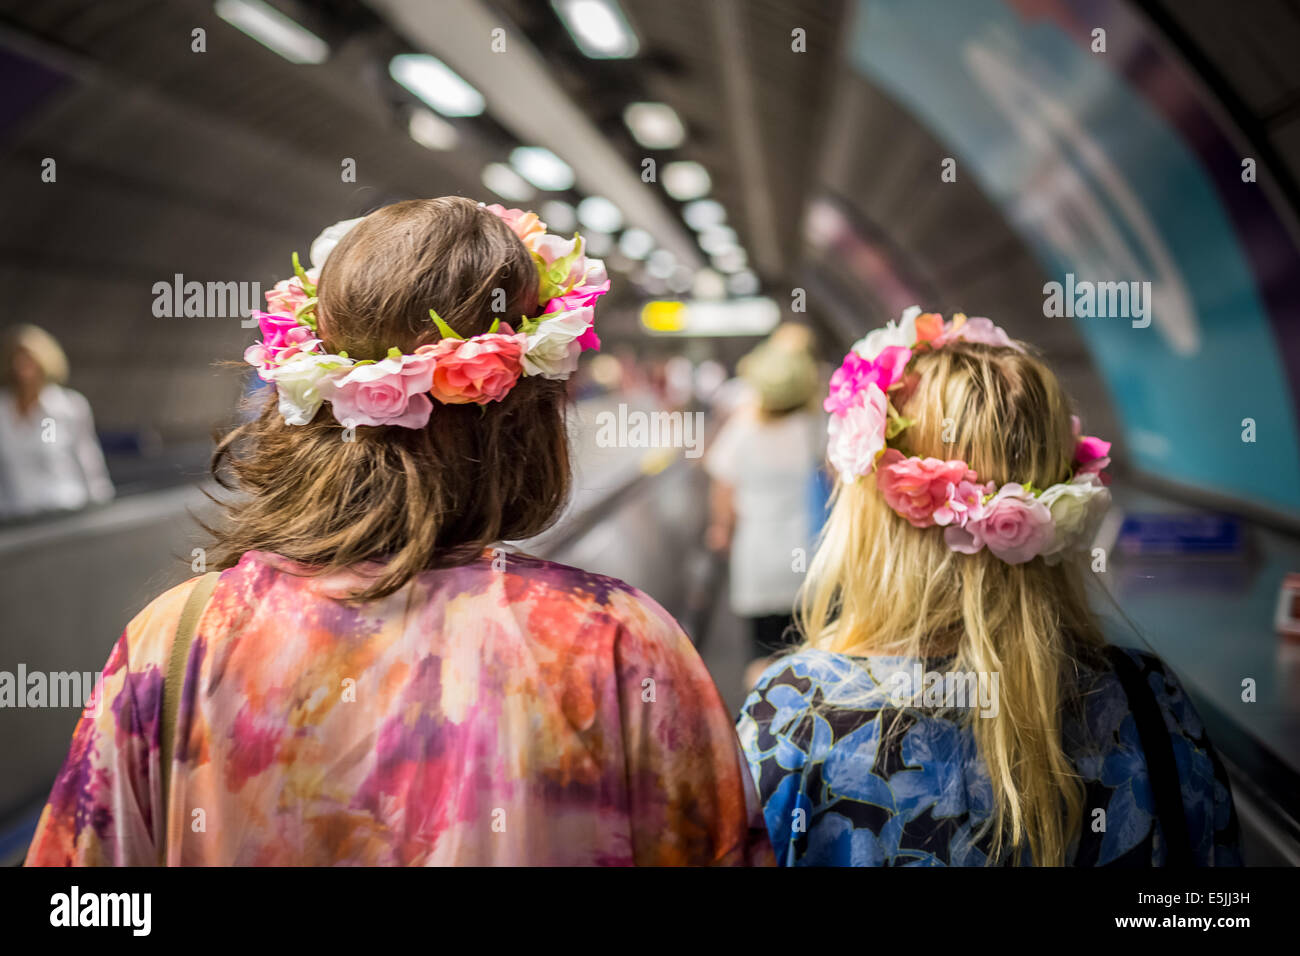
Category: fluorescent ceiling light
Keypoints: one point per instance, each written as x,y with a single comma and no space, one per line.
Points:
686,180
597,243
598,27
271,28
743,283
598,213
709,285
704,213
559,216
717,239
650,284
436,83
542,168
654,125
730,260
431,131
661,264
681,279
636,243
507,183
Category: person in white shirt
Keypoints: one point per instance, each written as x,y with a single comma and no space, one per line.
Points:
763,463
50,459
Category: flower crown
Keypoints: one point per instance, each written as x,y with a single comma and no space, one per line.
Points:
397,390
1016,522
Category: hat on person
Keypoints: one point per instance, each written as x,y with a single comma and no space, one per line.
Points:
783,378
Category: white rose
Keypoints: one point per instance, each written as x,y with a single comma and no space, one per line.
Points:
857,436
324,244
301,382
901,333
1077,508
552,351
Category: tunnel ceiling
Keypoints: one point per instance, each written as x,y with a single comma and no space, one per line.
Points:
214,164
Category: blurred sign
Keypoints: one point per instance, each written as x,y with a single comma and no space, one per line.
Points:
756,316
1287,616
1181,534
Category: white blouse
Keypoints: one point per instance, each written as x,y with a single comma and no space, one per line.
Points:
770,466
50,458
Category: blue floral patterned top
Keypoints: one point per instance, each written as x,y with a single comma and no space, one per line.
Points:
812,732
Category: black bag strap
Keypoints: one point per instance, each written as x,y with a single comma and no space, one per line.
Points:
1158,749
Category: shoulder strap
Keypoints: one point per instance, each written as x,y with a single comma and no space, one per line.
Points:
175,682
1158,748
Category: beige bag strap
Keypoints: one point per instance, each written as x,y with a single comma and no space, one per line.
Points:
174,683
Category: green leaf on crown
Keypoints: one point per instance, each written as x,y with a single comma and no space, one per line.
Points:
555,276
307,285
447,331
306,313
894,422
896,426
528,326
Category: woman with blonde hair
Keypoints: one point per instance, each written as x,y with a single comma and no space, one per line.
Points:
372,678
50,459
954,701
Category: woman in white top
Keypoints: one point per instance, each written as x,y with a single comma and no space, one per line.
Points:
50,458
763,464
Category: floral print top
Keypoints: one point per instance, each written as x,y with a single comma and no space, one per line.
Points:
883,786
510,711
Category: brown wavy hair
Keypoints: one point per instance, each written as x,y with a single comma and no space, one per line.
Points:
412,499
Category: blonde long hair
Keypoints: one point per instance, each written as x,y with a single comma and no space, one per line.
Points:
877,585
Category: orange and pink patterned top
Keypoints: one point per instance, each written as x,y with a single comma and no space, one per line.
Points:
510,711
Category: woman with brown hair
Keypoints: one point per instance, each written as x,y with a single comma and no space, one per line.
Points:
373,680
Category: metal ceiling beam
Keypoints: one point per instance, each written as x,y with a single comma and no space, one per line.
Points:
523,97
742,113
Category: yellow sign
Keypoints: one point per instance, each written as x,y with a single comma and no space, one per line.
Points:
664,316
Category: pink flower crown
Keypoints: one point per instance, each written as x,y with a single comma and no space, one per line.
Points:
1016,522
397,390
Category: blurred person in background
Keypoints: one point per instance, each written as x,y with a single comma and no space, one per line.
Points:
764,464
50,459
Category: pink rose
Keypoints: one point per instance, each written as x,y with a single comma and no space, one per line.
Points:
855,372
1015,526
479,370
1088,449
1091,455
282,338
287,296
858,435
390,392
917,487
978,330
523,224
578,298
965,504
